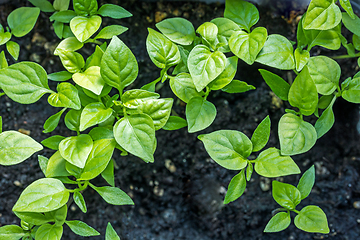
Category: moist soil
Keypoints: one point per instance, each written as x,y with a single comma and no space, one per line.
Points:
180,195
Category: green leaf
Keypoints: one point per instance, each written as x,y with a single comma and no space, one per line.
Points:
322,15
271,164
44,5
95,58
90,79
228,148
119,67
183,87
63,16
98,159
306,182
351,92
175,123
1,125
113,11
249,171
205,66
67,96
277,52
14,49
286,195
208,31
4,36
261,135
108,173
326,120
303,93
59,215
113,195
109,31
312,219
351,24
11,232
247,46
3,61
84,27
226,28
325,73
68,44
226,76
94,113
60,76
241,12
58,29
22,20
158,109
16,147
296,136
72,61
49,232
135,97
56,166
72,120
82,229
278,222
61,5
52,122
162,52
136,134
80,201
43,195
301,58
178,30
346,5
110,233
329,39
236,187
85,7
33,218
200,113
43,162
356,42
76,149
52,142
278,85
236,86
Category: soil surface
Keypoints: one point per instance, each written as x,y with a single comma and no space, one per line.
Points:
180,195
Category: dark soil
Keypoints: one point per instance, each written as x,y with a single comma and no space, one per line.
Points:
180,195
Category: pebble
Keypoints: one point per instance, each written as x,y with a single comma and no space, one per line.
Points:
73,208
170,165
158,191
265,184
24,131
17,183
356,204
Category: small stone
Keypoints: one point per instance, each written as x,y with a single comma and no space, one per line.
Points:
159,16
17,183
264,184
73,208
222,190
170,165
158,191
276,101
24,131
142,211
358,220
356,204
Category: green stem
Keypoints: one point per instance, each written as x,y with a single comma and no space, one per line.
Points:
208,90
296,211
2,94
346,56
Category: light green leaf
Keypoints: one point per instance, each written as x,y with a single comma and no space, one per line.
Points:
249,171
135,97
72,61
278,85
16,147
60,76
296,136
351,92
44,5
110,233
136,134
113,195
63,16
113,11
84,27
85,7
67,96
108,173
301,58
306,182
312,219
4,37
43,195
68,44
3,61
178,30
33,218
82,229
49,232
175,123
356,42
72,120
329,39
261,135
236,86
271,164
277,52
208,31
351,24
278,222
119,67
94,113
228,148
326,120
236,187
286,195
247,46
322,15
158,109
109,31
90,79
14,49
11,232
56,166
80,201
226,28
59,215
1,125
76,149
183,87
226,76
241,12
205,66
53,121
95,58
200,113
52,142
22,20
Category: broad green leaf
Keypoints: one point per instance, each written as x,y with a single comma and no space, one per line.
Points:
356,42
325,73
82,229
135,97
53,121
16,147
228,148
3,60
306,182
56,166
351,24
271,164
296,136
68,44
72,61
227,75
303,93
205,66
261,135
49,232
247,46
119,67
4,37
67,96
346,5
325,101
175,123
52,142
286,195
351,92
236,86
60,76
183,87
109,31
85,7
241,12
277,52
178,30
80,201
98,159
72,120
113,195
76,149
113,11
236,187
329,39
58,29
278,222
44,5
226,28
11,232
182,66
278,85
22,20
43,195
63,16
84,27
249,171
108,173
301,58
110,233
90,79
61,5
312,219
200,113
59,215
158,109
73,170
326,120
162,52
94,113
322,15
95,58
136,134
14,49
208,31
33,217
